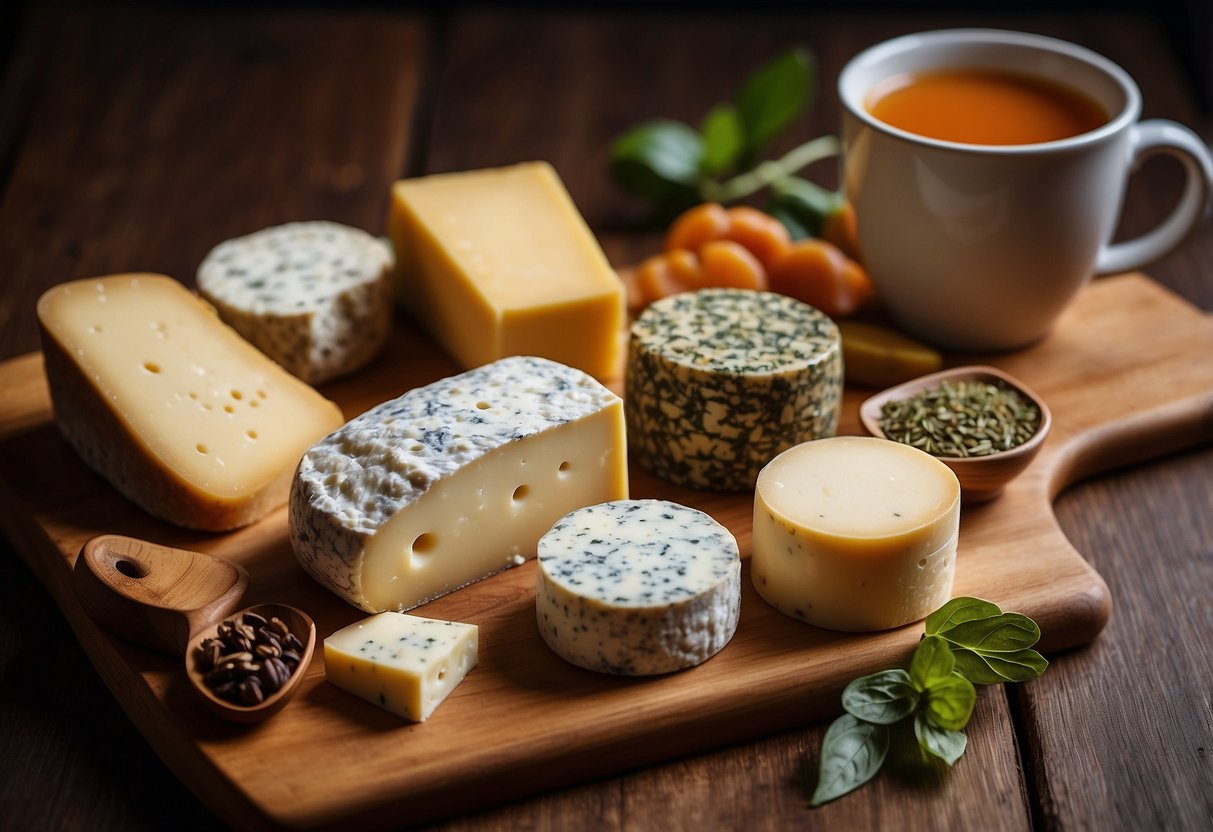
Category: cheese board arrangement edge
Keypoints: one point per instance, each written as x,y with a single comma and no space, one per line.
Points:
1121,374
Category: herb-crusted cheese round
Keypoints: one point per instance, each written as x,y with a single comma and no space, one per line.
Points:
454,481
314,296
720,381
637,587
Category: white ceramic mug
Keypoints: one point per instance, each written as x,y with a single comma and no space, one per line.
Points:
980,247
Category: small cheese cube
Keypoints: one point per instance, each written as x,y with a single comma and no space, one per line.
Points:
180,413
855,533
314,296
498,263
638,587
404,663
719,381
454,481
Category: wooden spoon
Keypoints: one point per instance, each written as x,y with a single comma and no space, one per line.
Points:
152,595
171,600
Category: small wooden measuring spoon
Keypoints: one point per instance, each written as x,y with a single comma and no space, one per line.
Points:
170,600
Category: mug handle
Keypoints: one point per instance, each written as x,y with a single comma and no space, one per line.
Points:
1162,136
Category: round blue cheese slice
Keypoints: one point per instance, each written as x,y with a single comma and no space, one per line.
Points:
721,381
637,587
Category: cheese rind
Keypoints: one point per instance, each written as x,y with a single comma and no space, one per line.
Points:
454,481
637,587
403,663
719,381
855,533
314,296
498,262
176,410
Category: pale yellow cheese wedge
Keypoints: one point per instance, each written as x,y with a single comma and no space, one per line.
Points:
176,410
855,533
402,663
499,262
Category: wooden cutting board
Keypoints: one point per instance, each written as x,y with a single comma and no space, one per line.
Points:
1128,375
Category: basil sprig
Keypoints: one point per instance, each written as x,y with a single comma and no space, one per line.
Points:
967,642
674,165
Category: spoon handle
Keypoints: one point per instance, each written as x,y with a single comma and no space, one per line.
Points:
152,595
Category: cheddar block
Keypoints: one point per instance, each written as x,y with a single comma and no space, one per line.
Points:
454,481
855,533
176,410
402,663
498,263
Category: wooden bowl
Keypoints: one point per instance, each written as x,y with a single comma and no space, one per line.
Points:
981,478
297,622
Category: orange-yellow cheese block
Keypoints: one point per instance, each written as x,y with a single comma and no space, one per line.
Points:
499,262
175,409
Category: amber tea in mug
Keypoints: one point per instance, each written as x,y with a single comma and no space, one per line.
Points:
987,170
979,106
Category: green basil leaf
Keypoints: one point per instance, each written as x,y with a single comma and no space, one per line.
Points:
982,668
774,96
957,611
932,661
947,745
658,159
851,754
883,698
723,139
796,230
950,702
809,204
1004,633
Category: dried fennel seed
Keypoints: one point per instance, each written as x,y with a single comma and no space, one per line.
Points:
962,419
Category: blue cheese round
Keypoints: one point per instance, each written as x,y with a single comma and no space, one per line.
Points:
314,296
637,587
721,381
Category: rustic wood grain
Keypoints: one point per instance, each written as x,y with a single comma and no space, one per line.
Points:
56,767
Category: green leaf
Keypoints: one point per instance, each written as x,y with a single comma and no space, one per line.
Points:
796,230
947,745
957,611
883,698
723,139
1004,633
932,661
658,160
809,204
774,96
991,668
950,702
851,754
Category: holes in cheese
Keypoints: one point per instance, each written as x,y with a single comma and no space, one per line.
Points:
855,533
482,484
138,370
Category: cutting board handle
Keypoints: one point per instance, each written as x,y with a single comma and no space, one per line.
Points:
152,595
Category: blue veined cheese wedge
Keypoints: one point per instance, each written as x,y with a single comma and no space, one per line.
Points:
454,481
403,663
637,587
720,381
314,296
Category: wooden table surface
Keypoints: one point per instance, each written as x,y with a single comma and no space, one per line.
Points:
136,139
